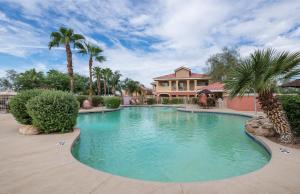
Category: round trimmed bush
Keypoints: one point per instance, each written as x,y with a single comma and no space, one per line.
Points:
53,111
97,100
81,98
17,105
112,102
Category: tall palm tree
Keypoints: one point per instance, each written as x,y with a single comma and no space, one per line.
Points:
259,73
65,36
94,52
97,72
107,73
115,80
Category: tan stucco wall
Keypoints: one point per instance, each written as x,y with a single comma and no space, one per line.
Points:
182,73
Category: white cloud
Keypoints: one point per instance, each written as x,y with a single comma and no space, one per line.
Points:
185,32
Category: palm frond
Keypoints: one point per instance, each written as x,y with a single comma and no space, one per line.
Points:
240,79
77,37
100,59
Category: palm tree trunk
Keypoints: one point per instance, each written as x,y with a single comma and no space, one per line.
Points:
91,79
274,111
105,87
99,86
70,66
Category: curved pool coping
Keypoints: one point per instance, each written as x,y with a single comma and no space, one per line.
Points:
54,169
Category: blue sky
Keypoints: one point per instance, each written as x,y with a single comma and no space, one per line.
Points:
144,39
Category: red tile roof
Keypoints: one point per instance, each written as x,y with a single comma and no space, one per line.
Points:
193,75
214,86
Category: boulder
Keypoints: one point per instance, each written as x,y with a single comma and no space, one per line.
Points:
86,104
264,132
249,128
260,126
28,130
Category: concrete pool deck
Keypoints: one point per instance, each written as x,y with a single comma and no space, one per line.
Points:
40,164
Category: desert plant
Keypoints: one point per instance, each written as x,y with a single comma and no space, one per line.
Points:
112,102
53,111
259,73
291,105
17,105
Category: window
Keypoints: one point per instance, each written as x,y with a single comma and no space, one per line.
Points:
202,83
164,83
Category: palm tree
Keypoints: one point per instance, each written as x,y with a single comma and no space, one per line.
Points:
259,73
115,80
107,73
94,52
97,72
65,36
131,86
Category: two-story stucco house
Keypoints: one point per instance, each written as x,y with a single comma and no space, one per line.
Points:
182,83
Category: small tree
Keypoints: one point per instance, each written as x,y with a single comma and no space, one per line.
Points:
259,73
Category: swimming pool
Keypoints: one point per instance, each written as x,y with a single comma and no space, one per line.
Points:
163,144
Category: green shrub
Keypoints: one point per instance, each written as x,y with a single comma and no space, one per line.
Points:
291,105
112,102
17,105
165,101
97,100
211,102
151,101
176,101
53,111
81,98
195,100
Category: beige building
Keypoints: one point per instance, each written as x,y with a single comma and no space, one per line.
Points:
182,83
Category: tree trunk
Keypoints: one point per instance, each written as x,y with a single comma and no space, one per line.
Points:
113,89
91,78
274,111
99,85
70,67
105,87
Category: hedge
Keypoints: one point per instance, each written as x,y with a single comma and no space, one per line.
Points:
165,101
291,105
176,101
151,101
81,98
112,102
53,111
96,100
17,105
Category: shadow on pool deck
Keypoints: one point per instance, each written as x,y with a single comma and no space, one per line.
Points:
38,164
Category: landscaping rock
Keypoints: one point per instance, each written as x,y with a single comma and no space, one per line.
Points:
28,130
260,126
86,104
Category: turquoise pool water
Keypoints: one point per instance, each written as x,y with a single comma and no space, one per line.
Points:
163,144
